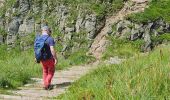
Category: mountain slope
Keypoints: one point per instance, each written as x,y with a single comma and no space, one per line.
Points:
100,42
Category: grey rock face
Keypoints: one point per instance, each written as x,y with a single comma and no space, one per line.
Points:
120,26
148,43
79,23
69,30
24,6
110,30
26,27
14,26
145,31
134,35
90,25
62,14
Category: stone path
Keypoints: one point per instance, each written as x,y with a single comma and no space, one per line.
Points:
62,80
100,42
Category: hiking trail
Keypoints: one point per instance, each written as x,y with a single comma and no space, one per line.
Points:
64,78
61,81
100,42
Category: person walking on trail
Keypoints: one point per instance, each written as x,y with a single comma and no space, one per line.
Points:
46,55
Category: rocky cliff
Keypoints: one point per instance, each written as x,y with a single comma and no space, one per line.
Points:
76,23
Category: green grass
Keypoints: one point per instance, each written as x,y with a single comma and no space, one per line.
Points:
157,9
77,58
16,67
122,48
160,38
142,77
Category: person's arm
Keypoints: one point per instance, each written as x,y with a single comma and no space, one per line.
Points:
54,53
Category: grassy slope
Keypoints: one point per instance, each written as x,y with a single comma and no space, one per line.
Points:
158,9
122,48
141,77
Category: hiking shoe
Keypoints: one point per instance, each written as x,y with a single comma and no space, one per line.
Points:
45,88
50,87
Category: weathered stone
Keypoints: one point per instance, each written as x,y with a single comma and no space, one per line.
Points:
120,26
141,29
126,22
11,39
14,26
125,33
26,27
148,43
110,31
62,14
135,35
79,23
36,9
69,30
24,6
90,25
167,27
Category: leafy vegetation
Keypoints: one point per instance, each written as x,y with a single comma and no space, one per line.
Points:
142,77
157,9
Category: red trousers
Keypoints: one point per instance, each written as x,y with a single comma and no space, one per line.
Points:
48,71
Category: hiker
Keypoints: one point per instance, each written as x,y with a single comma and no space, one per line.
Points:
46,55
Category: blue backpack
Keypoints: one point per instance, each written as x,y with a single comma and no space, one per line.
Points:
40,49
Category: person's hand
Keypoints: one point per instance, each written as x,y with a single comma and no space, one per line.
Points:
35,60
55,61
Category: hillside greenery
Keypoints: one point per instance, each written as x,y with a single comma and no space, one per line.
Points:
122,48
157,9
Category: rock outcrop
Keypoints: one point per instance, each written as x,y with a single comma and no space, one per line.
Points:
133,31
25,17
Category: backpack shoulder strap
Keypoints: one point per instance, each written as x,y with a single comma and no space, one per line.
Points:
46,38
